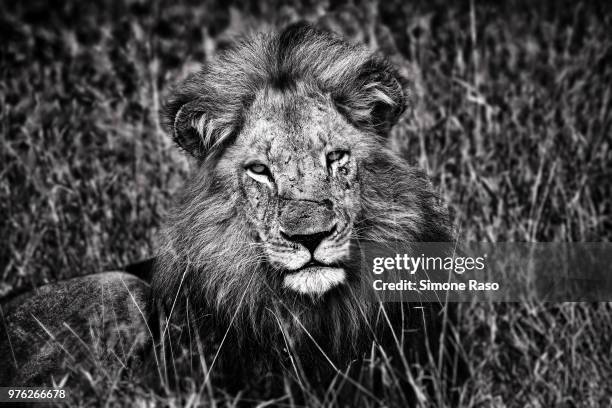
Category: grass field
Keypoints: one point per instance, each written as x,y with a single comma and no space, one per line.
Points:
515,128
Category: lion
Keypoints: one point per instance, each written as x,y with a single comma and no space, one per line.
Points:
262,253
294,176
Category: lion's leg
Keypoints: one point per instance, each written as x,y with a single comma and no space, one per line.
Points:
95,323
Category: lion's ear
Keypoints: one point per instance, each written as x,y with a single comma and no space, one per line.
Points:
188,128
194,119
377,97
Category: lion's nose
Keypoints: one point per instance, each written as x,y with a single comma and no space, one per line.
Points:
310,241
307,222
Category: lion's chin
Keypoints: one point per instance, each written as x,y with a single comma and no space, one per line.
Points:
314,280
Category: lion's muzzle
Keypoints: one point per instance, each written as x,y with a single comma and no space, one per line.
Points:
312,230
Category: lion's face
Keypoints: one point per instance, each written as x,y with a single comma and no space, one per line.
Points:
296,162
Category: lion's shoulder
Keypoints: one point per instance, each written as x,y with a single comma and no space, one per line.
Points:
98,321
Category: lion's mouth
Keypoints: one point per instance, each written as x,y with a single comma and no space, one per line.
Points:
313,263
314,278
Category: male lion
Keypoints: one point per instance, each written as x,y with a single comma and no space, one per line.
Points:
294,174
262,253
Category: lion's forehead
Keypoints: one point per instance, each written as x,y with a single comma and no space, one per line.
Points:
287,127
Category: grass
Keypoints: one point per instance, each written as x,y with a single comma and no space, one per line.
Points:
514,127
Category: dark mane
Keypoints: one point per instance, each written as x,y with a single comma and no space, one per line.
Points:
210,265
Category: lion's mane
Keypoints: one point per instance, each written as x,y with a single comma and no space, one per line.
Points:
210,262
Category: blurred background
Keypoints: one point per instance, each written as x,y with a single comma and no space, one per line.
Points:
514,125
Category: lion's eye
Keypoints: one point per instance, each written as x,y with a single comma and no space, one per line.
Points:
337,156
258,168
259,172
